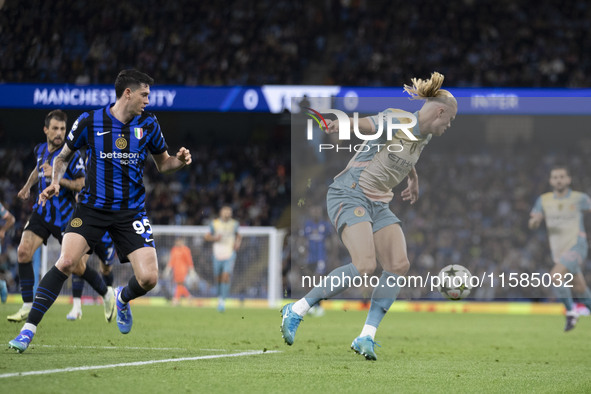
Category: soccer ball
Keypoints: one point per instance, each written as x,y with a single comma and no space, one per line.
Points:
454,282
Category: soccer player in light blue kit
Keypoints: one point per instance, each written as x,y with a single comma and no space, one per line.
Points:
223,232
563,209
358,206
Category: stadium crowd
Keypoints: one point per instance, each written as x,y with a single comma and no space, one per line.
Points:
345,42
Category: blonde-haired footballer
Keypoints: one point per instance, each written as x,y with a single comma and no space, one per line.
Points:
563,209
358,206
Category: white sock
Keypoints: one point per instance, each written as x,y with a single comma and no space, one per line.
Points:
77,303
30,327
368,330
120,300
27,305
301,307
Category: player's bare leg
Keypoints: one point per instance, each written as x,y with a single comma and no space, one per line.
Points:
390,245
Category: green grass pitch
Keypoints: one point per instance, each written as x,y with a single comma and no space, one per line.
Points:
421,352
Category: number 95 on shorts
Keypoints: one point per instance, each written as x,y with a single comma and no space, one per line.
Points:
130,230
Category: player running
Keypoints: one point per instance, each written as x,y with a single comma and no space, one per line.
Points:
118,139
358,206
563,209
223,232
52,217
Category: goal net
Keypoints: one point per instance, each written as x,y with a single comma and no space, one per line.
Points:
257,271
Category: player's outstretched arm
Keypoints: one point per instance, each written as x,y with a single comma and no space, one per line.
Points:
25,192
411,193
167,164
60,163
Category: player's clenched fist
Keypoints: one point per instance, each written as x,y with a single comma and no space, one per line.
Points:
184,155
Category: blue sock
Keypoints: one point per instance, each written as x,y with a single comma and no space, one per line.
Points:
47,291
586,298
26,276
565,296
77,286
94,279
343,277
224,290
382,298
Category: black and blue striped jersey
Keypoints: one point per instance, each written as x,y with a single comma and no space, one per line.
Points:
116,155
57,211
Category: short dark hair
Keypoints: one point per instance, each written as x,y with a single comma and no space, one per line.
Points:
131,78
560,167
56,114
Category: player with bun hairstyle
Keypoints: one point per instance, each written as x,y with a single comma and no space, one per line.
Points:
358,206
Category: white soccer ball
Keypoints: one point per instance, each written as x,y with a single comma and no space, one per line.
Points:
454,282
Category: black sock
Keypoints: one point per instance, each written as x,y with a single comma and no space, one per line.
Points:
47,291
27,280
132,290
77,286
108,278
94,279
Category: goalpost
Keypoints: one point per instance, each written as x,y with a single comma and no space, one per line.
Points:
257,271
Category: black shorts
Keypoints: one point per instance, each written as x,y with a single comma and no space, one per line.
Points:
130,230
40,227
106,253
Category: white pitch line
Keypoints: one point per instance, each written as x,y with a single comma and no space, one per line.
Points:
134,348
112,347
132,364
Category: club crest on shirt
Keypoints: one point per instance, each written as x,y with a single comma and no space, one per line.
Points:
359,211
121,143
76,222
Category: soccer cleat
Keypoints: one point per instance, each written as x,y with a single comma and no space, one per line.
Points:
571,321
22,341
221,306
124,318
74,314
365,347
3,291
19,316
289,323
108,304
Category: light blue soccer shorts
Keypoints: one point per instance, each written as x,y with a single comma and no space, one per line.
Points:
573,258
347,207
224,266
